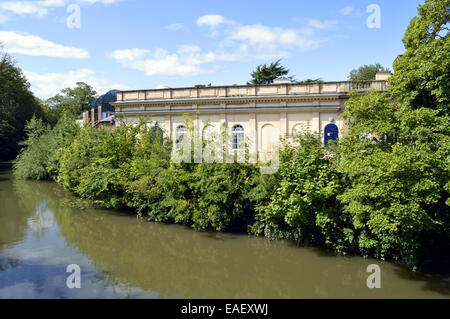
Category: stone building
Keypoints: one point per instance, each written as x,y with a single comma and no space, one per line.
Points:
265,112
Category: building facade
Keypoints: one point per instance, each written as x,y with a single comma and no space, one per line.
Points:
264,112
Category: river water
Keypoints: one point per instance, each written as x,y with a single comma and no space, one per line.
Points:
121,256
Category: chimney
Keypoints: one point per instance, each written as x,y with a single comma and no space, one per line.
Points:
85,117
99,113
93,116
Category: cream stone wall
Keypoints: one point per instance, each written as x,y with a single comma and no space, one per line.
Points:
266,112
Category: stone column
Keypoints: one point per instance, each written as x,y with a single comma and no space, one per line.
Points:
315,125
283,124
253,149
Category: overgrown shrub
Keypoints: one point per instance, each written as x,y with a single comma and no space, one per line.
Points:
304,206
39,159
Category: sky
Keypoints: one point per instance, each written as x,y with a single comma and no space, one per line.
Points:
147,44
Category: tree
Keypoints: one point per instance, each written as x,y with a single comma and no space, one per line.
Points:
265,74
17,105
399,187
422,76
71,101
366,72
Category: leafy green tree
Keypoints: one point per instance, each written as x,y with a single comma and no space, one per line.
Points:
265,74
422,73
40,158
397,150
366,72
71,101
17,106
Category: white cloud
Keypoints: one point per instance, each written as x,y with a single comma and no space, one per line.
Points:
98,1
40,8
23,7
239,43
52,3
264,38
158,62
46,85
174,26
346,11
3,18
213,21
321,25
188,48
36,46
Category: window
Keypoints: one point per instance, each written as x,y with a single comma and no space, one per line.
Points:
298,129
237,137
180,136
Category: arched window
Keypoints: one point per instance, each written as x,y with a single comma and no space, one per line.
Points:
267,138
180,136
207,133
237,136
298,129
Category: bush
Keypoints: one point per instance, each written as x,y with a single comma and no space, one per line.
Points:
304,205
39,160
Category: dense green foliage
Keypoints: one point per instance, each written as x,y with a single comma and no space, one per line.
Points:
304,204
382,190
17,105
399,173
131,166
40,158
397,177
366,72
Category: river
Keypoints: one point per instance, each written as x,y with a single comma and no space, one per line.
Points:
121,256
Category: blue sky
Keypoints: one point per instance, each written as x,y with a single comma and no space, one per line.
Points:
138,44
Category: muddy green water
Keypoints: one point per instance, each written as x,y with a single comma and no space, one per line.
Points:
121,256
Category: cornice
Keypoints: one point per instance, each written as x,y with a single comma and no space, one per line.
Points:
232,100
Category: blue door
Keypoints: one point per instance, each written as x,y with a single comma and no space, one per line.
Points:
157,133
331,133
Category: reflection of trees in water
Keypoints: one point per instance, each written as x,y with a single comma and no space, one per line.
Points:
42,220
13,216
177,261
32,197
7,263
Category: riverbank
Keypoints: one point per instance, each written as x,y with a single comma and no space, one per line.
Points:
124,257
311,198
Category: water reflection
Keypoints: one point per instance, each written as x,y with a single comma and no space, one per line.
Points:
122,256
